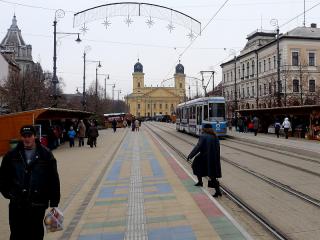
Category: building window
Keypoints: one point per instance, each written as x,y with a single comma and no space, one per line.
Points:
248,92
248,68
274,62
148,106
269,64
252,88
260,67
138,84
230,76
295,58
264,89
148,114
242,71
295,85
252,66
224,77
260,91
154,106
242,92
264,65
138,105
312,61
166,106
270,88
180,85
160,105
312,85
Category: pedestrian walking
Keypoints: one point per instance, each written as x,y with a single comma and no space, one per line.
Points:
71,135
92,135
133,125
286,126
137,125
30,180
277,126
81,133
207,162
114,125
255,122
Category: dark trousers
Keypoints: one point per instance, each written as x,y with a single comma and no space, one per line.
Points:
26,222
71,142
286,132
255,131
277,130
81,141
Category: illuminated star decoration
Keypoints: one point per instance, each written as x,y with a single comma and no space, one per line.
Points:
191,36
170,27
150,22
84,29
106,23
128,21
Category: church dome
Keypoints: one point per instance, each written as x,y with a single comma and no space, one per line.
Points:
180,68
138,67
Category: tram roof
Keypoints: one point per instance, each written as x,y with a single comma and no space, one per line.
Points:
201,100
113,114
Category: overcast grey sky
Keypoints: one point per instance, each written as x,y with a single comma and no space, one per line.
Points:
119,46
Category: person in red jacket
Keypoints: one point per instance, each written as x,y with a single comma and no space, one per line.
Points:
30,180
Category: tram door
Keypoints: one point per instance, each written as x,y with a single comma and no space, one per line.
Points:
199,119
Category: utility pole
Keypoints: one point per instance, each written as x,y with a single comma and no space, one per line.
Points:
84,104
235,86
278,70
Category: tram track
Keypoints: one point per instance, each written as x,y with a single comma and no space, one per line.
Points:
275,231
311,200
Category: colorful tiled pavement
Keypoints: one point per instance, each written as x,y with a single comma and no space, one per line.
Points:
146,194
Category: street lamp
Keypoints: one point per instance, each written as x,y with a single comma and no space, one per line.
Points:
274,22
58,14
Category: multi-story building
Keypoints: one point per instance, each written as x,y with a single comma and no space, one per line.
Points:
151,101
252,80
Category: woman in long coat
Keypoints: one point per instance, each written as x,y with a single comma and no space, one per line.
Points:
207,162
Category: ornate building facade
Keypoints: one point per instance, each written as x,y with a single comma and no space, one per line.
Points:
252,80
151,101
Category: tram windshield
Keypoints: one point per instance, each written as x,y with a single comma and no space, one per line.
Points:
216,112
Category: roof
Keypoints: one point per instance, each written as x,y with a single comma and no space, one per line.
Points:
305,109
13,36
305,32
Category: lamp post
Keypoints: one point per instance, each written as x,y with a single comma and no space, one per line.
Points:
96,88
58,14
274,22
84,98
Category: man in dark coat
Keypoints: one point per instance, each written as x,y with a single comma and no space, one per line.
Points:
114,125
207,162
92,135
30,180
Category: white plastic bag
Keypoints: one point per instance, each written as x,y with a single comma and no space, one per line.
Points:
54,220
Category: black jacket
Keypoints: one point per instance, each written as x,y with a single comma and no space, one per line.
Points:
207,162
36,183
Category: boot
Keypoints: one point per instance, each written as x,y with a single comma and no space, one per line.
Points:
199,183
217,188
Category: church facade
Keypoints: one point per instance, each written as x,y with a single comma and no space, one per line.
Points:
151,101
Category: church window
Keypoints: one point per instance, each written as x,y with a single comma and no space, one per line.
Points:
154,105
166,106
160,105
138,105
180,85
148,106
138,84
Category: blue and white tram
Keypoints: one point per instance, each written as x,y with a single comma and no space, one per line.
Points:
192,115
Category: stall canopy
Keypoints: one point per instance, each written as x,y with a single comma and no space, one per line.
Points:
10,124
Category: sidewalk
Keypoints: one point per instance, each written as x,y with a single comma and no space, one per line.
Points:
146,194
309,146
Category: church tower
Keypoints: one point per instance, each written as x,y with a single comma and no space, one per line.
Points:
138,77
180,80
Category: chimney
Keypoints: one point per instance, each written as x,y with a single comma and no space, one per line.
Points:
313,25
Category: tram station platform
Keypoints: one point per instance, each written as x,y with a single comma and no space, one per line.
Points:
298,145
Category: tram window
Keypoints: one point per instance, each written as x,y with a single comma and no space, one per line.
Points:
194,112
205,113
217,111
199,115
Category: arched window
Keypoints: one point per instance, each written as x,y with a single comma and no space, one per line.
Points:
295,85
242,71
180,85
138,84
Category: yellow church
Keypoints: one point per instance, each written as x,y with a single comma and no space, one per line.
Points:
151,101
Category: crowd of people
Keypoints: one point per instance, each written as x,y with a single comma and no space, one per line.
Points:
134,124
247,124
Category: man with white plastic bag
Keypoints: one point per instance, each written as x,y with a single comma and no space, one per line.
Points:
30,180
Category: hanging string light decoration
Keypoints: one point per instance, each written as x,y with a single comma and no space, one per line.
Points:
135,9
